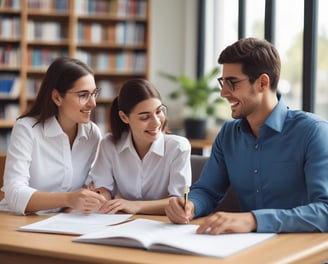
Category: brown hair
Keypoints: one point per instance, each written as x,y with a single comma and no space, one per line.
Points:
256,57
131,93
61,75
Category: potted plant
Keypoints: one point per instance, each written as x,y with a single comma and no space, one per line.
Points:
201,98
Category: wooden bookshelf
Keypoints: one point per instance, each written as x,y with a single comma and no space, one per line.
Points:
111,36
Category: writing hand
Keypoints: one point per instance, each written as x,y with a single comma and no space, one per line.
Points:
178,211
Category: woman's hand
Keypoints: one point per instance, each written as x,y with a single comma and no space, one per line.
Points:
121,205
103,191
85,201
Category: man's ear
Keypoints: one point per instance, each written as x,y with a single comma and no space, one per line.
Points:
264,81
123,117
56,97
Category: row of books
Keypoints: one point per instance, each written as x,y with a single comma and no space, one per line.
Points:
41,58
120,8
14,4
32,87
123,33
10,55
48,31
9,111
10,27
130,61
58,5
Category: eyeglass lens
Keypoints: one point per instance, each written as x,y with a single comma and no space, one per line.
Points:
84,97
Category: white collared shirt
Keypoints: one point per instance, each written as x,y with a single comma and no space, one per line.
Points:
39,158
164,171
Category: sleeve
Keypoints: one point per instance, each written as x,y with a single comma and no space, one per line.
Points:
16,176
101,173
96,138
313,216
213,182
180,168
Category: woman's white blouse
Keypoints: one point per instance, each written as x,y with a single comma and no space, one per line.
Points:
39,158
164,171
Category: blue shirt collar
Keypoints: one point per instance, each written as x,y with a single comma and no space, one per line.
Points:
277,117
275,120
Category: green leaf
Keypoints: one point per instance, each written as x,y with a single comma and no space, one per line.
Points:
201,96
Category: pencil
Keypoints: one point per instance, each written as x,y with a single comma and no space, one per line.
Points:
186,192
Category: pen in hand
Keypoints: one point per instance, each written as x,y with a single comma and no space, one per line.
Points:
186,192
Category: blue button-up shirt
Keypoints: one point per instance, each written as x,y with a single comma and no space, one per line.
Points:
281,176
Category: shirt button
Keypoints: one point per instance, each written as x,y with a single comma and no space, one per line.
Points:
256,146
256,171
257,190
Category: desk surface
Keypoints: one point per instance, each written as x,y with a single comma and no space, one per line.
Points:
201,143
36,248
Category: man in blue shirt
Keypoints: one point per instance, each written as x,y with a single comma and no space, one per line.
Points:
275,159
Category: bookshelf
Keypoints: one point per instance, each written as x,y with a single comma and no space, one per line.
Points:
111,36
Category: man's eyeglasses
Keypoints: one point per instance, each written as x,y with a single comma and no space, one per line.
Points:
85,96
231,82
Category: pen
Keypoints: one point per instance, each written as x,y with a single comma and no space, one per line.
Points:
186,192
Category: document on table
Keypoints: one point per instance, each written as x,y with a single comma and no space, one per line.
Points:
160,236
75,223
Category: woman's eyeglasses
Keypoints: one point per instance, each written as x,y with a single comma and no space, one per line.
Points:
84,96
161,111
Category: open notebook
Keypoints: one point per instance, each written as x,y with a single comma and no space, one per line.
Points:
75,223
160,236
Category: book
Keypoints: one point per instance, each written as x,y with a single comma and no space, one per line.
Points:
9,85
159,236
74,223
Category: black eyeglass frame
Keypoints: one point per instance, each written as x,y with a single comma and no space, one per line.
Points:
230,81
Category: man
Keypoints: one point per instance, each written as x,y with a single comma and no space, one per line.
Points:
275,159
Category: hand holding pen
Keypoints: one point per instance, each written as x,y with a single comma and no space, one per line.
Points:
180,209
186,192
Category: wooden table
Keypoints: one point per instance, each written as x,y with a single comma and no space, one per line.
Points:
201,146
25,247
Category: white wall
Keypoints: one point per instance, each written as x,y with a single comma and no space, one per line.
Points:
173,44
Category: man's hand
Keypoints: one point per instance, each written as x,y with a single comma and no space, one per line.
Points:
178,212
221,222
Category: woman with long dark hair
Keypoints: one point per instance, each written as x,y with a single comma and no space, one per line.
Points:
53,145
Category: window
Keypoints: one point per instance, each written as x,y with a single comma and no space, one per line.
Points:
321,95
289,42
